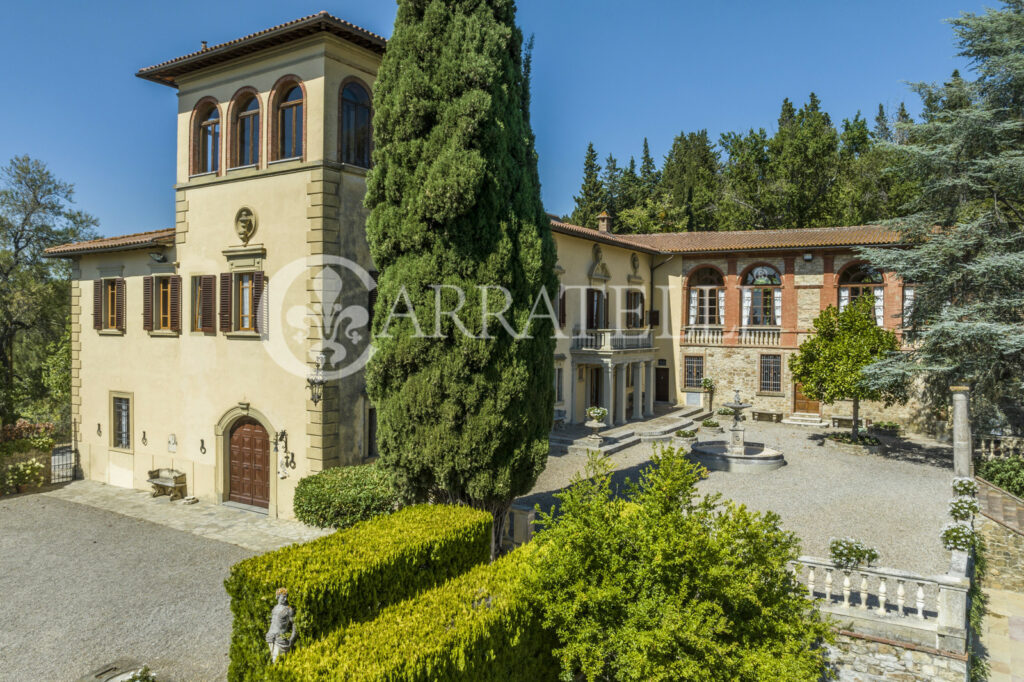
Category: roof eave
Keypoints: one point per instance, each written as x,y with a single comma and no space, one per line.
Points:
163,243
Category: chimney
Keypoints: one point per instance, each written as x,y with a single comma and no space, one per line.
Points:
604,222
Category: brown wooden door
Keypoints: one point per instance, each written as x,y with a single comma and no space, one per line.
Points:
661,384
249,466
802,403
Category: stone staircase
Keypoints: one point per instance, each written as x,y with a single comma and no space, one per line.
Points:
1001,506
572,440
805,419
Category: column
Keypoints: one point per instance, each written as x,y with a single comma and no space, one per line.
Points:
790,304
570,416
733,305
961,431
648,388
606,390
637,393
620,393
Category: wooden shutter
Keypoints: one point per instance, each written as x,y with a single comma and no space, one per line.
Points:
604,310
176,303
97,304
119,309
147,303
642,312
207,306
591,309
655,318
561,308
225,301
257,301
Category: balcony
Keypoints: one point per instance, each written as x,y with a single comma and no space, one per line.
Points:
702,336
760,336
613,339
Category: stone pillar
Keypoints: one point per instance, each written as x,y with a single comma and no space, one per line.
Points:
570,416
648,388
637,393
961,431
606,390
620,393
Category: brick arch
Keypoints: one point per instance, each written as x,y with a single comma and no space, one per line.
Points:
760,264
857,263
231,124
700,267
341,89
203,105
281,88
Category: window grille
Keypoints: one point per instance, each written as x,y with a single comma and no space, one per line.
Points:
771,374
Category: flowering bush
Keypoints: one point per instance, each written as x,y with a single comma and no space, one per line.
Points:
726,411
709,423
686,433
24,436
597,413
958,535
964,486
29,472
708,384
963,508
848,553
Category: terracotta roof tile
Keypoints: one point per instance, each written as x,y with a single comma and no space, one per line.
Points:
598,236
753,240
122,243
167,72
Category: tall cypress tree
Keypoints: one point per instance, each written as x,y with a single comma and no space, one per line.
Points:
649,175
611,182
690,176
882,130
454,201
590,200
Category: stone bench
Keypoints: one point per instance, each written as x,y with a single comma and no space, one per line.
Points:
766,416
167,482
847,422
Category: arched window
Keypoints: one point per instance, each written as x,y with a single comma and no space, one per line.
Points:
289,124
707,297
356,134
762,297
208,142
247,131
862,280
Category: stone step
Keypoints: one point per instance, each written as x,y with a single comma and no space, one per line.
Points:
804,419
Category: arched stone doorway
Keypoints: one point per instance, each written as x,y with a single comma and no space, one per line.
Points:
226,428
249,463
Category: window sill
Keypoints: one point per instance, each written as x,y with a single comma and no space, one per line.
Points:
164,333
290,158
771,394
242,335
354,168
111,332
202,175
121,450
248,166
692,389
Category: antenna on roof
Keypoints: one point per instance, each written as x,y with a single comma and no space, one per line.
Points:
204,44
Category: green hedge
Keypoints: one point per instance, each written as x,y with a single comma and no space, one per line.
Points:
350,575
341,496
479,626
1007,473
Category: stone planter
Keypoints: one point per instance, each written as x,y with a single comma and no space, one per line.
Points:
680,442
855,449
712,430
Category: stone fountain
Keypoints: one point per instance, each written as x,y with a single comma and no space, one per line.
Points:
736,454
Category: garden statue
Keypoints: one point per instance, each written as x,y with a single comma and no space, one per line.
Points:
281,634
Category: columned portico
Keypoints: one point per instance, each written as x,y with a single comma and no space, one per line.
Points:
620,393
637,392
648,388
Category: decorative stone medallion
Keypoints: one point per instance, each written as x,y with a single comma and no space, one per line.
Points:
245,224
635,262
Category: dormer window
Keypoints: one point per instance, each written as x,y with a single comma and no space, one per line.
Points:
356,133
247,132
289,124
209,141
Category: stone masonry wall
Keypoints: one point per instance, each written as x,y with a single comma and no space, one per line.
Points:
859,659
1004,552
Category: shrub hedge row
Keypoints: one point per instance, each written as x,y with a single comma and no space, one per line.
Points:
341,496
350,575
481,626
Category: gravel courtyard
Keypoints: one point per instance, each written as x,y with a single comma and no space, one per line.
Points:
895,503
82,587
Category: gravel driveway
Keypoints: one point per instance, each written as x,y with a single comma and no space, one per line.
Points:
81,587
895,503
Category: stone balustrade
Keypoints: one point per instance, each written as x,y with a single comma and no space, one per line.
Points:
998,447
613,339
760,336
887,602
702,336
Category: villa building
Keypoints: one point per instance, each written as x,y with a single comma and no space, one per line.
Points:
178,359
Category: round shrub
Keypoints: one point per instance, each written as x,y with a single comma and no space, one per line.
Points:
1007,473
685,433
342,496
709,423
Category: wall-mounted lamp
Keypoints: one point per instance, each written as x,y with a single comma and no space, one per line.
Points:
808,256
99,429
316,380
144,441
202,446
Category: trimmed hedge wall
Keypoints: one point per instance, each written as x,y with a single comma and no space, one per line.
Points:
481,626
350,575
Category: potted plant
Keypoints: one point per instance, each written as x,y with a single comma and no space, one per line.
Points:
711,426
597,416
685,437
708,384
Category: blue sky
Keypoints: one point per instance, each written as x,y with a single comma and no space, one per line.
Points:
610,72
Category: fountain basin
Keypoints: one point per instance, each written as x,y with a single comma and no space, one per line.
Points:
718,455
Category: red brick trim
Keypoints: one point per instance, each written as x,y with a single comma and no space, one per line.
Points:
701,266
756,264
341,89
903,645
280,89
203,105
231,127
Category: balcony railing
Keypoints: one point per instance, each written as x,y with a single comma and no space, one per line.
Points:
613,339
759,336
702,336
